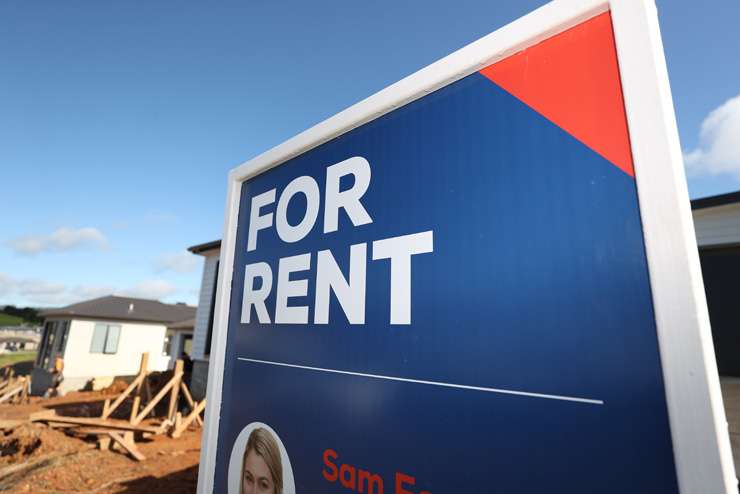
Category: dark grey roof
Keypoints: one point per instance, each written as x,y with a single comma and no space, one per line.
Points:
186,324
197,249
713,201
118,308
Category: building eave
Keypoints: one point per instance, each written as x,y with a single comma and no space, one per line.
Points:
208,246
714,201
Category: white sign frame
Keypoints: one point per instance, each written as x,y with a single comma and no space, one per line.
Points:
703,456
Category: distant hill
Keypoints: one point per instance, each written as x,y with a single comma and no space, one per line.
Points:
11,315
8,320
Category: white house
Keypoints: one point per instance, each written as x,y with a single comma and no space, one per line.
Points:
19,338
103,338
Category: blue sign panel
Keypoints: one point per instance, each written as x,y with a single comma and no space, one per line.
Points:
453,297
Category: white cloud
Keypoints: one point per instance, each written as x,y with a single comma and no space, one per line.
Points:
120,225
46,293
719,142
61,240
39,288
89,292
179,262
5,282
155,289
32,291
157,217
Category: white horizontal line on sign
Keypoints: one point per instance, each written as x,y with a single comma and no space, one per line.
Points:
431,383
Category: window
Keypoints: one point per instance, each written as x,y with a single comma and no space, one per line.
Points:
111,342
167,347
105,338
44,343
99,335
46,357
187,346
63,338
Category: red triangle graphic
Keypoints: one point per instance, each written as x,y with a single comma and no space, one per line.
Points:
572,79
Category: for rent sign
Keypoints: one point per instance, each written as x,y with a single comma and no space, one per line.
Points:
329,278
480,279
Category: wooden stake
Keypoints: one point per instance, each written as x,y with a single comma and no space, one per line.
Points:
189,399
142,379
104,442
144,363
121,397
95,422
175,391
162,392
177,432
10,394
128,445
26,389
135,408
186,393
135,386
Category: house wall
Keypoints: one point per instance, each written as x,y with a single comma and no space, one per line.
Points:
135,338
721,272
202,320
203,313
718,225
199,379
718,236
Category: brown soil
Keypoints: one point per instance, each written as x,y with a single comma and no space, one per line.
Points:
35,458
28,441
116,387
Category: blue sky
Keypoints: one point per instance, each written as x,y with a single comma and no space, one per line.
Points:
120,120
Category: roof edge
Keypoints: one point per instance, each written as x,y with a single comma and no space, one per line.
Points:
714,201
84,310
107,318
200,248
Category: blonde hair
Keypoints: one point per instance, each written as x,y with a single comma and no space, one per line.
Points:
262,443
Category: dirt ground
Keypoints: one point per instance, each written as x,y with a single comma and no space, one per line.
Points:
35,458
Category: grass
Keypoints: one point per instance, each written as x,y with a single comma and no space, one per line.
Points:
8,320
15,357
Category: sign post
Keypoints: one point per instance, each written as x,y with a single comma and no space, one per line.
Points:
483,278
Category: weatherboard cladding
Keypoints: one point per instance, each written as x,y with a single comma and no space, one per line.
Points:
717,220
124,309
717,226
202,316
